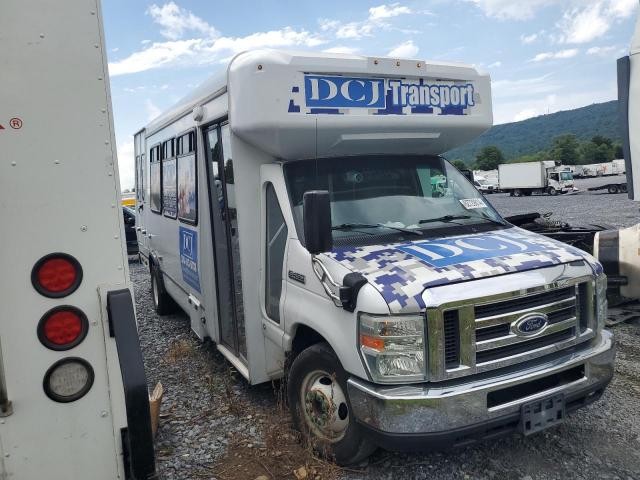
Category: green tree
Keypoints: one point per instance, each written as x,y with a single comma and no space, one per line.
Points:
600,140
617,151
489,158
588,152
604,153
534,157
459,164
565,149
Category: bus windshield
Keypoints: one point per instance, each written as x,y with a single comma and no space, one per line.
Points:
374,195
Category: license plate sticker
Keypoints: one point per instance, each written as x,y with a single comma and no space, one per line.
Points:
541,414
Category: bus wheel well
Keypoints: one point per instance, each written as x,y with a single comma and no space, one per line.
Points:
304,337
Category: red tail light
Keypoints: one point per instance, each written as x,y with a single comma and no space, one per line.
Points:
56,275
62,328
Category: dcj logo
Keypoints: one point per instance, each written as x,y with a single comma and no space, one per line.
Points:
343,92
187,244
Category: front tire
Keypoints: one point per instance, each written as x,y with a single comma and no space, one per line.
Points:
553,192
317,393
613,189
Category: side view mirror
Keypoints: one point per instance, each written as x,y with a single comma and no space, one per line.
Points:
317,221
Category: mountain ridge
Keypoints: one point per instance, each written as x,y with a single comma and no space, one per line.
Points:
534,134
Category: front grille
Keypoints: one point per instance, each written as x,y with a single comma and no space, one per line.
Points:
451,339
522,347
480,335
522,303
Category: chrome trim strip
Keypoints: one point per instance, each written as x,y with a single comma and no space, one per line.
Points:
513,339
515,315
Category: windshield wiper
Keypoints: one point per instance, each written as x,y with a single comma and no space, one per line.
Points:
354,226
504,223
444,218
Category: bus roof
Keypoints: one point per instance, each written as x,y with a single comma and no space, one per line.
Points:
362,104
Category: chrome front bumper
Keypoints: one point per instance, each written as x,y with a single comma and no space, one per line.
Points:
462,406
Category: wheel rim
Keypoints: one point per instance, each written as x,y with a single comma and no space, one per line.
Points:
324,406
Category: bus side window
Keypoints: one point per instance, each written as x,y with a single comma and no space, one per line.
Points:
169,180
276,241
156,179
187,179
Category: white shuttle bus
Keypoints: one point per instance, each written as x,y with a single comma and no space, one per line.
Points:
73,392
298,209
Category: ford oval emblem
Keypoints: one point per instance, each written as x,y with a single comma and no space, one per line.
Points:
530,324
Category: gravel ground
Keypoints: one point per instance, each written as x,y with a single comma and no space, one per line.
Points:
583,207
208,411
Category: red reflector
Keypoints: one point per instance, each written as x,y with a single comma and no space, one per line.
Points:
56,275
62,327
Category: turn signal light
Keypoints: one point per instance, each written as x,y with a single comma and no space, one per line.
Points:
62,328
56,275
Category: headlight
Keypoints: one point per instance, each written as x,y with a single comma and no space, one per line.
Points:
601,300
392,347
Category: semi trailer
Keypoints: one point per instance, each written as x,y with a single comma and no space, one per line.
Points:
73,391
297,207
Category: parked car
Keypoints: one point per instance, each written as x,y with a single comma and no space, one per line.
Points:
484,186
130,230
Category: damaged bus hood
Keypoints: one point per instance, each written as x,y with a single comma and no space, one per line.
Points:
402,271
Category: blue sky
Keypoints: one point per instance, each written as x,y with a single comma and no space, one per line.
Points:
543,55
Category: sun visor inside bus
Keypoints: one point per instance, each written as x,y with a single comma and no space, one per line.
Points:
296,106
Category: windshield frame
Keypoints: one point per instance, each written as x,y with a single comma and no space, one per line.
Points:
446,229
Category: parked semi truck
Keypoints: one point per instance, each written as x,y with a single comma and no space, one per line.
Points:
526,178
73,392
296,206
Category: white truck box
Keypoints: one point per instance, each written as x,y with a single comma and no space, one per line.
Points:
522,175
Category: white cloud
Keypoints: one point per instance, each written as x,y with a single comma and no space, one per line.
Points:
203,51
405,50
591,19
387,11
152,109
523,88
603,51
568,53
582,25
114,50
176,21
126,164
510,9
582,20
495,64
375,20
526,113
342,49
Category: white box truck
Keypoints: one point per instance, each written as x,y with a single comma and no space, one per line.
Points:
298,209
526,178
73,391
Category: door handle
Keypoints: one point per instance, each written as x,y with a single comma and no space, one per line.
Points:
144,231
6,408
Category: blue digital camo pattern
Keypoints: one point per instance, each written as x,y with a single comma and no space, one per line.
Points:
402,271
